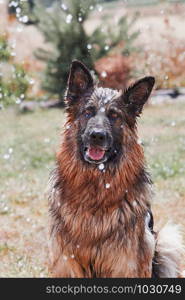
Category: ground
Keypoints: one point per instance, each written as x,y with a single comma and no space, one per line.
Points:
27,155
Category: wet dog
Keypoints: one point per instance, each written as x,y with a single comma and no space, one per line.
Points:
101,219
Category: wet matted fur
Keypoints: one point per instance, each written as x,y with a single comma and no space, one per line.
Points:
101,220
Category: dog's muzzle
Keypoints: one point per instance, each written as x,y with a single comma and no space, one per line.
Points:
97,144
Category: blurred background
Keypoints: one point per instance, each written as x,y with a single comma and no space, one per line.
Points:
120,41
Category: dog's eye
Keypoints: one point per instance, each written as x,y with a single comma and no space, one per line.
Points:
113,115
88,113
149,220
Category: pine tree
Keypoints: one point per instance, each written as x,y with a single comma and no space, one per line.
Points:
63,28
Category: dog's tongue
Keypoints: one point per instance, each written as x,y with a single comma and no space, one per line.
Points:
95,153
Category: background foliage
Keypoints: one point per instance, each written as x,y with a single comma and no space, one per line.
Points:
63,28
14,86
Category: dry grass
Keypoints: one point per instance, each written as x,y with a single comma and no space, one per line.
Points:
28,145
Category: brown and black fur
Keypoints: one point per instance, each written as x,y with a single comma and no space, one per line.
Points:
98,231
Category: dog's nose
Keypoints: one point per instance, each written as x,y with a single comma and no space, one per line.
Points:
98,137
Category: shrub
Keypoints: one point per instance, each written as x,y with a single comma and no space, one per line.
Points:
14,86
4,49
114,71
64,29
167,63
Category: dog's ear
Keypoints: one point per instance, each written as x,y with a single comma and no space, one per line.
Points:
136,95
79,81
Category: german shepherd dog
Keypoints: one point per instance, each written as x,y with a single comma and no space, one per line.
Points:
101,219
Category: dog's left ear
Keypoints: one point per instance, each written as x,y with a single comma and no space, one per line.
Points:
136,95
79,81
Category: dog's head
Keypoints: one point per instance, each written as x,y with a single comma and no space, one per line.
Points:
105,118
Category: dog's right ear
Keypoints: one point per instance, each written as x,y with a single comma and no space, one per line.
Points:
79,81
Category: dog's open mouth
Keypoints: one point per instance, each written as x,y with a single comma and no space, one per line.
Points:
95,153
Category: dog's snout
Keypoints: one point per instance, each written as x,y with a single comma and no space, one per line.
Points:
98,136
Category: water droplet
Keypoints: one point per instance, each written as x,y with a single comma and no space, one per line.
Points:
126,191
80,19
18,10
5,209
69,18
31,81
134,203
64,257
78,246
6,156
106,47
24,19
72,256
20,263
64,6
68,126
107,185
102,109
100,8
46,140
139,141
18,101
166,77
91,7
89,46
12,3
101,167
104,74
173,123
10,150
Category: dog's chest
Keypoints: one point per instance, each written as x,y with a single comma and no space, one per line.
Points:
108,245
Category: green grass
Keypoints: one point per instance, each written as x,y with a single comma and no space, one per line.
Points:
27,155
139,3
